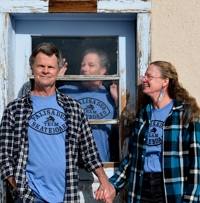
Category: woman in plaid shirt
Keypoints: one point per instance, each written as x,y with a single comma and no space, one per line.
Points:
163,164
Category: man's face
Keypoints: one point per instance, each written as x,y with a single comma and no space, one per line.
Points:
45,70
90,65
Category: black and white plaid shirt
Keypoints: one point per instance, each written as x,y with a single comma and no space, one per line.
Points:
14,145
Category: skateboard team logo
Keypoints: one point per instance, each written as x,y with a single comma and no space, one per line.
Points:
155,133
94,108
48,121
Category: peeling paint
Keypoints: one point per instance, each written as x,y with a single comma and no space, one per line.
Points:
4,19
125,6
23,6
143,42
122,70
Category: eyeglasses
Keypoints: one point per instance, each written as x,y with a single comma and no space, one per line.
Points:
149,77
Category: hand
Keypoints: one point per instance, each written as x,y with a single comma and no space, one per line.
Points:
106,190
114,91
12,181
63,69
107,195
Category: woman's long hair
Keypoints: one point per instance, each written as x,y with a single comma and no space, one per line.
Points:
175,91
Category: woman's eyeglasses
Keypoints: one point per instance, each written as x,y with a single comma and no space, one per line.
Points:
148,77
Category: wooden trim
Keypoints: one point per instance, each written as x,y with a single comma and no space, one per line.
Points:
73,6
124,6
143,43
87,6
24,6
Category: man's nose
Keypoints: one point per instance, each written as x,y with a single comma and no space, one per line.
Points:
46,69
84,68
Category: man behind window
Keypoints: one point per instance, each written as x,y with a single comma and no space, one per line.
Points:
94,98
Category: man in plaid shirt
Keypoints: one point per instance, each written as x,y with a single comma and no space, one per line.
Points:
43,135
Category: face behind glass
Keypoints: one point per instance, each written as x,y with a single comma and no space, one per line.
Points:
90,66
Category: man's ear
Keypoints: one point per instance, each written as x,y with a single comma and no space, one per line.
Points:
32,70
103,70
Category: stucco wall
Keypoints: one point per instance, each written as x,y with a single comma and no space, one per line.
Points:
176,38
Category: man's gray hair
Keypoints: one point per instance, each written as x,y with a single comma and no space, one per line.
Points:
48,49
103,57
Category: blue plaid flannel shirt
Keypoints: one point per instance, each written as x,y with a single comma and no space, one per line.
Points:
181,158
14,145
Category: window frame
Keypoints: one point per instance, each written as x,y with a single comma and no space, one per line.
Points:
25,31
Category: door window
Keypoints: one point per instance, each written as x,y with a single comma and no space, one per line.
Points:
112,39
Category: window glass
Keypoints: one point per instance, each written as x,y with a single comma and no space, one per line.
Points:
73,48
97,103
100,107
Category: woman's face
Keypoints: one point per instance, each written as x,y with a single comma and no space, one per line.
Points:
152,81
